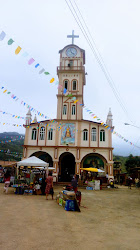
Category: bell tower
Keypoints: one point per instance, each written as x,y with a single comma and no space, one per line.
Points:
71,74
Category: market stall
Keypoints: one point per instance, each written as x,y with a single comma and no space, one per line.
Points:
93,184
31,176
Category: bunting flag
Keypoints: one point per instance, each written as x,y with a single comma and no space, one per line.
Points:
14,97
31,61
36,65
15,154
64,91
11,124
41,71
7,141
52,80
2,35
10,41
14,116
17,50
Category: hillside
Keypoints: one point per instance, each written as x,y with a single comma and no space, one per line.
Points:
11,150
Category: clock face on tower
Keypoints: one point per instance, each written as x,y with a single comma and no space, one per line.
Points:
71,52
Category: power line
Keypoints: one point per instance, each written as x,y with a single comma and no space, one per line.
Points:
99,60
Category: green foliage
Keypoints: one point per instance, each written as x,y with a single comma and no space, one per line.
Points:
123,160
12,151
131,163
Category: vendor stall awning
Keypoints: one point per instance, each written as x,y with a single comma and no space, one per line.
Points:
96,170
33,162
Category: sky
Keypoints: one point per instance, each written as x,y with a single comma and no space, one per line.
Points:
40,28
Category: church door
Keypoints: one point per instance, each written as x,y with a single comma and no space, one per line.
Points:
66,167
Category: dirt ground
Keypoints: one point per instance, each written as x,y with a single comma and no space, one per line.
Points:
109,219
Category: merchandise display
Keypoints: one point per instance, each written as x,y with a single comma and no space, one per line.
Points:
69,200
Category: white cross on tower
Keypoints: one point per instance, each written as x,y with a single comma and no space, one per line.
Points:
72,36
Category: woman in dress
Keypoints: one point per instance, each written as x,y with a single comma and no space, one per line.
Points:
49,186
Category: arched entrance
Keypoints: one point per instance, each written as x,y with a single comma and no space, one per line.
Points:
44,157
66,167
93,160
96,161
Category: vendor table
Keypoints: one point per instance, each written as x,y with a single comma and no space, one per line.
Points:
21,189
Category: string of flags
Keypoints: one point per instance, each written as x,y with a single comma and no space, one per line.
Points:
14,154
14,137
14,116
6,141
32,61
11,124
15,98
94,116
25,54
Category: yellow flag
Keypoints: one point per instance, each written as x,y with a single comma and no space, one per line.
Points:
52,80
4,91
106,127
75,101
17,50
102,123
95,116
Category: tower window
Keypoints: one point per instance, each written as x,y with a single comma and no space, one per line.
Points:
34,134
50,134
42,133
66,84
74,83
102,135
93,134
71,63
85,135
73,109
64,109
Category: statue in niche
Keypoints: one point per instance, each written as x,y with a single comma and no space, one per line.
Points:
68,133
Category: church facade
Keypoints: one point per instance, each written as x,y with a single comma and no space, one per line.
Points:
69,142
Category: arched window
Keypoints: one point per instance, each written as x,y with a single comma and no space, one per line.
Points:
73,109
50,134
34,133
42,133
102,135
66,84
85,135
74,85
64,109
93,134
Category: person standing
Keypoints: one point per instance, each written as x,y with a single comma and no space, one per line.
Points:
49,186
74,183
7,176
129,182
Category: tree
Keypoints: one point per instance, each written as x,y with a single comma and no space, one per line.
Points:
132,163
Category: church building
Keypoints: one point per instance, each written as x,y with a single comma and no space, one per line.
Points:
69,142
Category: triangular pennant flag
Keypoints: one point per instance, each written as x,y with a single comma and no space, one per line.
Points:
52,80
31,61
17,50
41,71
64,91
10,42
36,65
2,35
